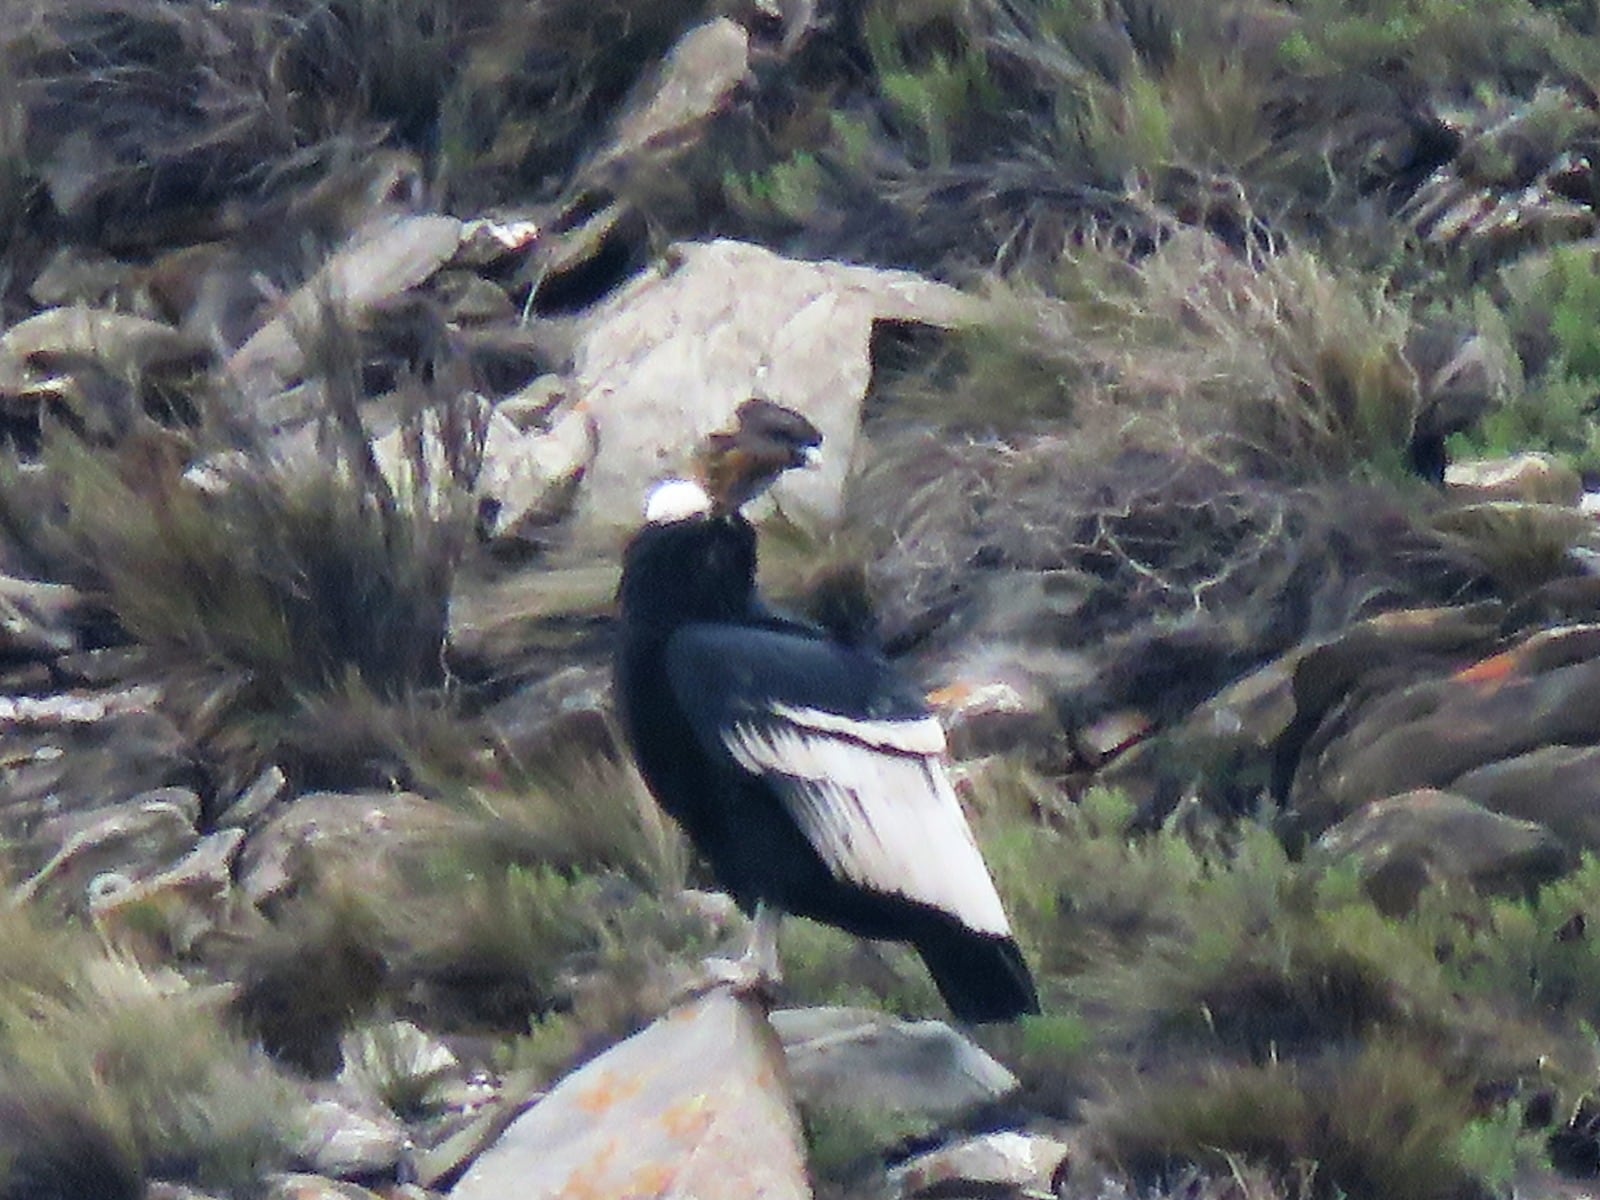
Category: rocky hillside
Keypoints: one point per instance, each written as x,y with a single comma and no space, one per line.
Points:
1209,393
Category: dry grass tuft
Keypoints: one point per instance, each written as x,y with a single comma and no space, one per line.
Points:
149,122
1135,543
563,908
1383,1124
139,1066
1277,364
994,135
572,959
584,813
301,610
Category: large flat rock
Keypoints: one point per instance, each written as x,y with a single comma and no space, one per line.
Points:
667,359
853,1058
696,1107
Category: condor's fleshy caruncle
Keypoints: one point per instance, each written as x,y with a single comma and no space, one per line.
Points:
808,772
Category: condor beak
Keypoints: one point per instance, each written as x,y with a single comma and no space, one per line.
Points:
810,458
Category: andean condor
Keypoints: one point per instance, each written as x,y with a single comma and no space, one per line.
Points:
809,774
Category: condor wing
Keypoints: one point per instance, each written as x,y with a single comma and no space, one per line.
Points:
851,752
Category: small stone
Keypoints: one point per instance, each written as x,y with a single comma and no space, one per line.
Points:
344,1139
1530,477
987,1165
487,240
314,1187
868,1061
120,343
695,81
532,406
36,619
532,476
133,838
161,1190
265,791
565,712
469,299
189,899
57,776
1110,734
76,275
104,667
386,258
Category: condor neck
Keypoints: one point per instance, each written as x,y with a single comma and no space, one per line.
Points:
697,570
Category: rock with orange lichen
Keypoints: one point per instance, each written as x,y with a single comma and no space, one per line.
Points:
1544,692
697,1105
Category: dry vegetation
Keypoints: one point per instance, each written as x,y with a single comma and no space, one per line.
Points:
1225,336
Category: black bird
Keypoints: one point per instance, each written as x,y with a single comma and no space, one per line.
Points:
809,774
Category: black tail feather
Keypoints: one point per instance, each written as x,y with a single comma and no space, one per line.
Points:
981,977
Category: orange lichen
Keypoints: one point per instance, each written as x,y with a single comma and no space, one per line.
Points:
592,1180
1494,670
605,1092
946,696
687,1012
688,1117
651,1179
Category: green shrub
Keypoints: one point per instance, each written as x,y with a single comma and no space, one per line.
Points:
1205,980
1542,314
1383,1124
1449,44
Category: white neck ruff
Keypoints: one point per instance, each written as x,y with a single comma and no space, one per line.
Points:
676,500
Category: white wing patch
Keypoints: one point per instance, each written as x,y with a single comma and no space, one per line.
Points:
918,735
877,807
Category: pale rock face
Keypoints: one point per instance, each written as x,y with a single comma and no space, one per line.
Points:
668,358
696,1105
389,257
863,1061
695,81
